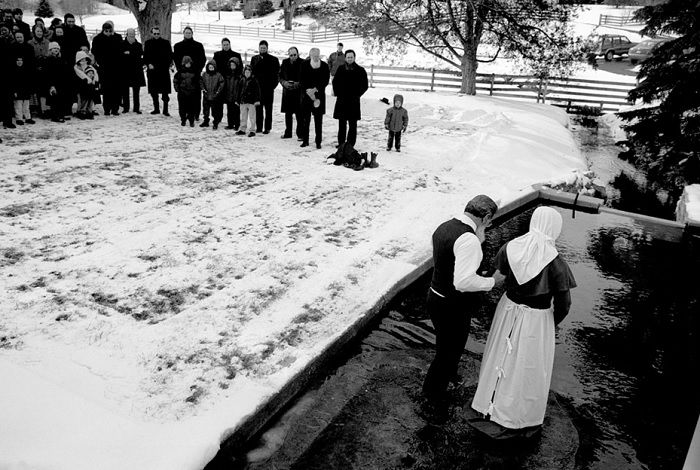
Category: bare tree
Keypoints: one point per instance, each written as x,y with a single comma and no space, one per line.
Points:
150,13
453,30
288,6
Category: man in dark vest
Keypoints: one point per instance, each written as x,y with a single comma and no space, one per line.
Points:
158,57
452,295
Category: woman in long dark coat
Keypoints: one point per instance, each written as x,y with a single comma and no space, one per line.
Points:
349,84
107,47
158,56
133,71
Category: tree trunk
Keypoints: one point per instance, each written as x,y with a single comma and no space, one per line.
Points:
288,14
155,13
469,66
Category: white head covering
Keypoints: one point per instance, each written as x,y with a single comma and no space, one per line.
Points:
530,253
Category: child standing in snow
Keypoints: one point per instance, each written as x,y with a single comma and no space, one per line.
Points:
212,84
396,122
248,99
22,81
187,87
88,84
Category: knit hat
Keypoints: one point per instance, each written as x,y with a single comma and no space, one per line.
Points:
54,45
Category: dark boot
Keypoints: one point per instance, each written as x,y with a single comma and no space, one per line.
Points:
373,162
165,109
156,106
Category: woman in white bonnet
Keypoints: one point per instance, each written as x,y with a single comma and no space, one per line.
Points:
516,369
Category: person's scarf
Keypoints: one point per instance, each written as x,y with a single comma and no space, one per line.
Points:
530,253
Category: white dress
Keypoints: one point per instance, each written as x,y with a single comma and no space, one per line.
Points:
516,370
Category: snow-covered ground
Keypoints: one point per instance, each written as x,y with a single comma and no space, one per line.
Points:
159,283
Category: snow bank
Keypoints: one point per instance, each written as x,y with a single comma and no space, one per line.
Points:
160,283
688,207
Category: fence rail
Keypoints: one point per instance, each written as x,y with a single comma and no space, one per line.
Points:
616,20
269,33
564,92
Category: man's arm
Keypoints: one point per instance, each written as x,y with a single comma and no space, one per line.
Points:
468,255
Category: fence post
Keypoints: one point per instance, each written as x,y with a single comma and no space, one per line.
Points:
493,78
371,76
432,79
539,89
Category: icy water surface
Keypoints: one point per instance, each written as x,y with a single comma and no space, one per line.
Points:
627,353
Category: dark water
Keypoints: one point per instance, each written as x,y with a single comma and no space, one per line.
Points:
627,354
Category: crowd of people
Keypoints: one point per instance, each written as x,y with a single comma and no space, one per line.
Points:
56,73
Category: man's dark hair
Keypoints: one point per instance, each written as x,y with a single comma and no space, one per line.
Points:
107,27
350,51
263,43
186,28
481,206
340,44
225,40
17,11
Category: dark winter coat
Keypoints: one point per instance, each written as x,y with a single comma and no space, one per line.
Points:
41,47
222,59
57,73
109,53
266,69
22,82
290,75
133,64
335,60
396,118
186,83
349,84
158,53
212,83
231,80
73,38
314,78
25,51
193,49
248,90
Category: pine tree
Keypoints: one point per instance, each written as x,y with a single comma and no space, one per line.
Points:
44,10
665,131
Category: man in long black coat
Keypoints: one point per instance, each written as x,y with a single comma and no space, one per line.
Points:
108,47
223,56
349,84
315,75
290,76
74,37
133,71
195,50
266,70
158,56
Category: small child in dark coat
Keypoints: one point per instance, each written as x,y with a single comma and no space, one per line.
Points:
187,86
248,98
212,84
22,85
396,122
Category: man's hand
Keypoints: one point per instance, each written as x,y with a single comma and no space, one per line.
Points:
498,278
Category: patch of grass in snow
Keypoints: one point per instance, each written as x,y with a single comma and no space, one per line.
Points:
310,315
8,341
135,181
391,251
13,210
10,256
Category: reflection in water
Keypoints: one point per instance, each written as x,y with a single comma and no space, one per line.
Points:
626,355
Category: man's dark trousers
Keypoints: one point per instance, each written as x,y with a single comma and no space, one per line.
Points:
266,99
451,318
349,127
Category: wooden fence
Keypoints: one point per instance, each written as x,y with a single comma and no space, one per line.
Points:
269,33
615,20
564,92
